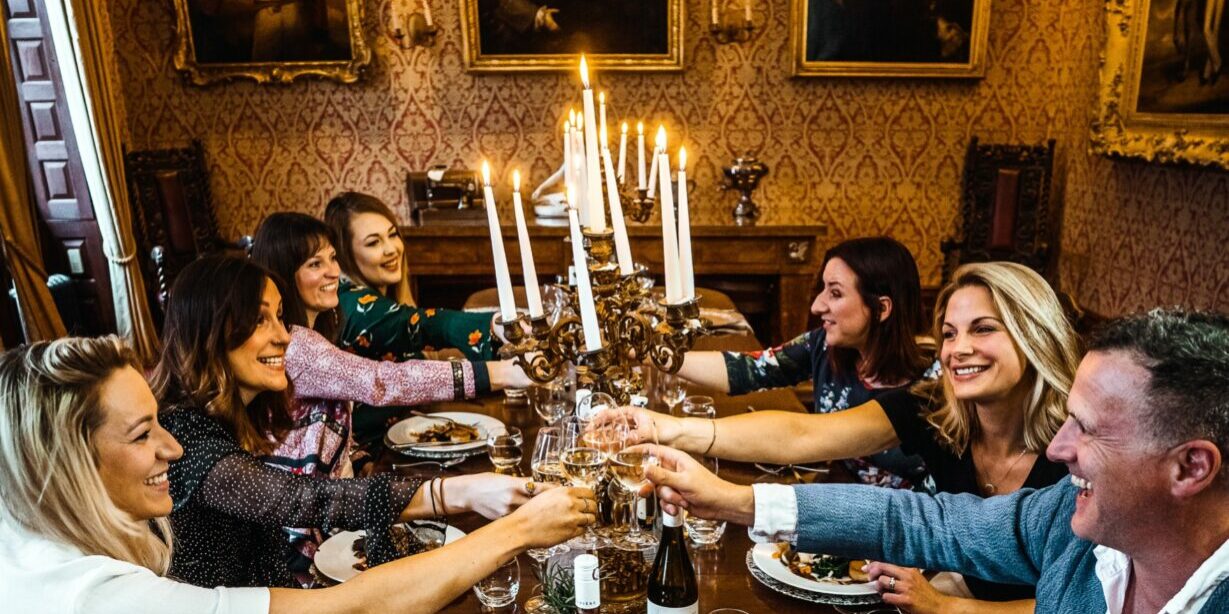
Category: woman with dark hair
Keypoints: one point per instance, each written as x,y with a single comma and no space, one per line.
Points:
326,380
380,318
871,308
221,382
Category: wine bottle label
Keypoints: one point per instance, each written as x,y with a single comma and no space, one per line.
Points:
587,586
671,520
642,509
584,409
687,609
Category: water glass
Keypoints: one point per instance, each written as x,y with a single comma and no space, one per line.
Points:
703,532
550,400
504,449
500,588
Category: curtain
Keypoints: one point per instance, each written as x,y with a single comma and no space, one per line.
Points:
39,318
97,117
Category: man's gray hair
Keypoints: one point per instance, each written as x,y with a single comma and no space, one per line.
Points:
1187,355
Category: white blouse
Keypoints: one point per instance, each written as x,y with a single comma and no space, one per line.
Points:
40,575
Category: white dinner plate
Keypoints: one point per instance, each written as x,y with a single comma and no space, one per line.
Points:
335,557
400,436
762,556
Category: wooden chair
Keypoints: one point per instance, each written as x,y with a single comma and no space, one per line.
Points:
1006,210
173,215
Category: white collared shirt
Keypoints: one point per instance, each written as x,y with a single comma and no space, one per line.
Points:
1114,571
776,514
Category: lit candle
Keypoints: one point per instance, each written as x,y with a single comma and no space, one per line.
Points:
622,152
569,182
533,295
426,13
746,10
503,281
601,119
623,249
584,292
578,177
685,264
716,16
657,151
669,234
593,173
640,155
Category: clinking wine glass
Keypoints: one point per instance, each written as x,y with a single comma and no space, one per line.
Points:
703,532
546,468
550,400
583,463
628,466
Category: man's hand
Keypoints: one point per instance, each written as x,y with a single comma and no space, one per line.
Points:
682,482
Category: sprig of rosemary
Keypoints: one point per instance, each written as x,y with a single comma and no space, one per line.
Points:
558,589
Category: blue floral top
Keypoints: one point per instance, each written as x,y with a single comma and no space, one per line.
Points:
806,357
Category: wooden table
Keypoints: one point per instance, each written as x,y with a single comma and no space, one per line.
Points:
721,572
772,264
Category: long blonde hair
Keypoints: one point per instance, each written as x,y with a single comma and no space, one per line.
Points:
49,483
1040,331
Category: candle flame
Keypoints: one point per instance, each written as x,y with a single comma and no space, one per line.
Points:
640,128
571,115
682,158
567,126
516,180
601,97
580,122
486,173
661,137
623,128
584,71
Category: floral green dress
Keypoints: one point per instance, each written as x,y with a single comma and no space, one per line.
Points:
377,327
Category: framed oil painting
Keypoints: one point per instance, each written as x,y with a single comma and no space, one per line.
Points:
546,35
889,38
1164,85
270,40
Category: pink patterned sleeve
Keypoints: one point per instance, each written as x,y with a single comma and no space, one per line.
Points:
321,370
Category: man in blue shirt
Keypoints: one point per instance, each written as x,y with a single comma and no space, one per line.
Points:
1141,526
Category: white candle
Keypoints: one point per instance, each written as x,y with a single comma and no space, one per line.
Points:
578,180
601,122
623,249
685,263
584,292
657,151
669,233
533,295
622,152
426,13
503,281
640,155
747,10
593,173
716,16
569,182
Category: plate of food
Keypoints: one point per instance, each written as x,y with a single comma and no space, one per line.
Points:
816,573
344,555
444,434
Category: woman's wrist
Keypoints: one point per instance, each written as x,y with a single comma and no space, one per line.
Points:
691,434
457,494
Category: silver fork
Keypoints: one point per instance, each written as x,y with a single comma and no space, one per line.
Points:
444,464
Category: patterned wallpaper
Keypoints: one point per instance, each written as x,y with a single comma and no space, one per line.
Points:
863,156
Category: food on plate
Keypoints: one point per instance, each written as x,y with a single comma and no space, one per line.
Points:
446,432
817,567
855,570
402,538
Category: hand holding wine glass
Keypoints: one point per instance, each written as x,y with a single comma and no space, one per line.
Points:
683,482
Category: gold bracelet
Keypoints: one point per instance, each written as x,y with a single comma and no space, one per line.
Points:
713,440
443,504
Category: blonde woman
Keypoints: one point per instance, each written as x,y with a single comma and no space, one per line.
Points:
83,475
1008,355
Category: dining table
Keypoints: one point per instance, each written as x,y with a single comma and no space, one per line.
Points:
721,570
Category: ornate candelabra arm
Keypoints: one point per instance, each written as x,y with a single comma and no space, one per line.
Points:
637,204
675,335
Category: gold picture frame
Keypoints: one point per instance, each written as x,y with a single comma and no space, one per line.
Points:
927,43
235,43
520,43
1153,113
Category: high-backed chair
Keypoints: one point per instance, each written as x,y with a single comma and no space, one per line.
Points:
173,214
1006,211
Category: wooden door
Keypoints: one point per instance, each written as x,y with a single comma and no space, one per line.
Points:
58,181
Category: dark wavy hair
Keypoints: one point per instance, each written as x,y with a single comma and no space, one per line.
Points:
282,244
214,308
884,268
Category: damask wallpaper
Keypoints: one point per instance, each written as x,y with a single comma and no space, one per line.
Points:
863,156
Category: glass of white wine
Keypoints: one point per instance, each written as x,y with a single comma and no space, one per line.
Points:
628,466
583,463
705,533
546,469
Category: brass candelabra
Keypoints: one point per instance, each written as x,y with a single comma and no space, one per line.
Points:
634,329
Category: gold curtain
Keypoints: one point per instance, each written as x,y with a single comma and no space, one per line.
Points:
39,316
108,128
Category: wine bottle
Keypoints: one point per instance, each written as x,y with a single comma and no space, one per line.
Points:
587,585
672,581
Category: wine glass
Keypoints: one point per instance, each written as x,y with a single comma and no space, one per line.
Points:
550,400
671,390
583,463
628,466
701,531
593,404
546,468
501,587
504,449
